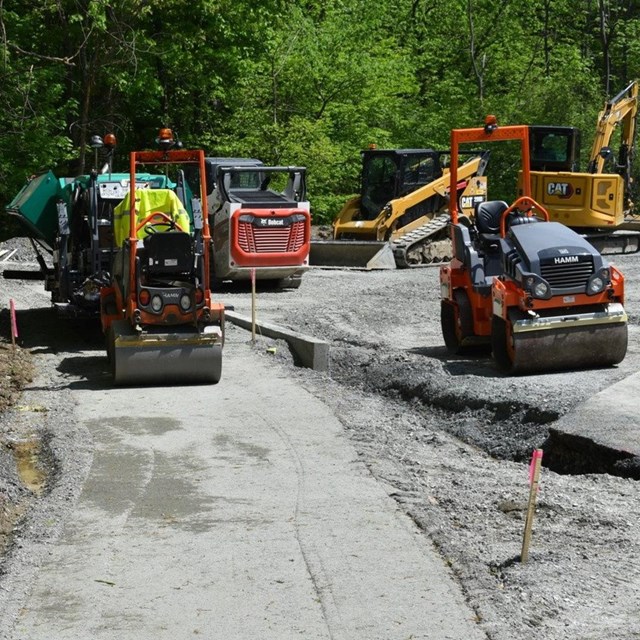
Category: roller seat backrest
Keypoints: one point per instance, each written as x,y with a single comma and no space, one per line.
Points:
488,215
149,201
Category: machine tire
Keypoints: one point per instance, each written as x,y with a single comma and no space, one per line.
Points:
215,283
448,324
465,315
500,336
110,339
291,282
456,319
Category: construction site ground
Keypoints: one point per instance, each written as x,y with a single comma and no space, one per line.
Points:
383,499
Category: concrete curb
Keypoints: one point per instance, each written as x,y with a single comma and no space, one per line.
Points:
308,351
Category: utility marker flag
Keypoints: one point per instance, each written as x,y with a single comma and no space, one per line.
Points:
537,455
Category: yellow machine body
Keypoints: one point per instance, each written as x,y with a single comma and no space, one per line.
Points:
580,200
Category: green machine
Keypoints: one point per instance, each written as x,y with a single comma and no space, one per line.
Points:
70,224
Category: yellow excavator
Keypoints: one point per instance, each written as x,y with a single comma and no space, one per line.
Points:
596,203
400,217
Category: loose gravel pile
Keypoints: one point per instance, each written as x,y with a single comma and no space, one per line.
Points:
448,436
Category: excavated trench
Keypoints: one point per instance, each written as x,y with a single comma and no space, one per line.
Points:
506,429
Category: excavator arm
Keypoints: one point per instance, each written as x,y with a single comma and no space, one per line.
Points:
620,111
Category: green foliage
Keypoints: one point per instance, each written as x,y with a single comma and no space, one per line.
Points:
296,82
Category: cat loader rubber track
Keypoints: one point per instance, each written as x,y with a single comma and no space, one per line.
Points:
424,245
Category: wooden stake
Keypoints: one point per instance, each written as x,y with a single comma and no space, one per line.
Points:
14,323
253,306
534,480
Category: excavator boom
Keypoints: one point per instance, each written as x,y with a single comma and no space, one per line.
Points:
620,111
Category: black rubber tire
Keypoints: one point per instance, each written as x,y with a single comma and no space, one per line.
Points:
465,315
215,283
456,320
291,282
110,339
499,347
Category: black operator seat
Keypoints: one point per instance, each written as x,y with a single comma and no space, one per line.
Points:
515,218
487,221
488,215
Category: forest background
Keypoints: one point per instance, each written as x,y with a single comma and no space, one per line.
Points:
295,82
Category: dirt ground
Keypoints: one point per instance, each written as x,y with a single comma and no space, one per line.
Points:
448,437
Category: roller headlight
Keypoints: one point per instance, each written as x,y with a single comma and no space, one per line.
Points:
598,282
537,287
156,303
596,285
541,290
185,302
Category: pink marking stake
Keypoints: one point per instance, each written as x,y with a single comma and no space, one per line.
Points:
534,480
14,323
537,455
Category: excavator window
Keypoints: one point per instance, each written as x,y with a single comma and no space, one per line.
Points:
554,148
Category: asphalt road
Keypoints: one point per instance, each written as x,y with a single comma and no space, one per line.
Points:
234,511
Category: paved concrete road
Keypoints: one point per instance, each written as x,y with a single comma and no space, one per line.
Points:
609,419
236,511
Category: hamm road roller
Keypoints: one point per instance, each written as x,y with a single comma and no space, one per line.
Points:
533,291
160,323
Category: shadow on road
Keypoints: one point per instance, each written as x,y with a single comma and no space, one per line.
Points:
93,371
42,330
80,343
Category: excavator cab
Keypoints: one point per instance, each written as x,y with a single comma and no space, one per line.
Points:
598,200
554,148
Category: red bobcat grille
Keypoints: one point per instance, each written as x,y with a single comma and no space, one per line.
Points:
252,239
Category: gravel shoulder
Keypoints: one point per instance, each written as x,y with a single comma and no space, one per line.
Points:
448,438
452,439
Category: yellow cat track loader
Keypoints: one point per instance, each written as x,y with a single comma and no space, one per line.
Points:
400,217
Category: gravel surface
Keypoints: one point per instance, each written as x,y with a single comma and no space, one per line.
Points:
448,436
